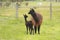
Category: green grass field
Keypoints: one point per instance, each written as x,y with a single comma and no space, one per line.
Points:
14,29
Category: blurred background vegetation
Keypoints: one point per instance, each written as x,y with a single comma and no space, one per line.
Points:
14,29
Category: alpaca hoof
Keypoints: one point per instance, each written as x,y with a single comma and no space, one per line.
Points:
33,33
38,33
30,33
26,33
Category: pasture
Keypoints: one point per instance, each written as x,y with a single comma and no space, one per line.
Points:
14,29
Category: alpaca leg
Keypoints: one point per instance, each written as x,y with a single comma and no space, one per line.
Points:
35,28
31,29
27,29
39,29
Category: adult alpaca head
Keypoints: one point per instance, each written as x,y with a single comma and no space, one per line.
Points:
33,13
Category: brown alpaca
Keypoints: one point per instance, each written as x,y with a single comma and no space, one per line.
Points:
28,24
36,20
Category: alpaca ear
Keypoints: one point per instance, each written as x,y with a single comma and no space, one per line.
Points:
31,8
23,14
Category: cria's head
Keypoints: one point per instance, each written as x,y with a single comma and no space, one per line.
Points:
25,16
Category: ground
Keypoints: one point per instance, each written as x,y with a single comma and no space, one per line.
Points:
12,28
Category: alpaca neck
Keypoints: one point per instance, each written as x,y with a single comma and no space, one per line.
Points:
35,17
25,20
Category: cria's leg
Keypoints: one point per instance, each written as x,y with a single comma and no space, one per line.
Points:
27,29
31,29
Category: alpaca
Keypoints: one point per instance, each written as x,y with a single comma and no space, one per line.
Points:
36,19
28,24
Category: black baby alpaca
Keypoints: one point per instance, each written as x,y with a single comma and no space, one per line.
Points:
29,26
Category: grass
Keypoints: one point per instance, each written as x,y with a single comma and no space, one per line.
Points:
14,29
